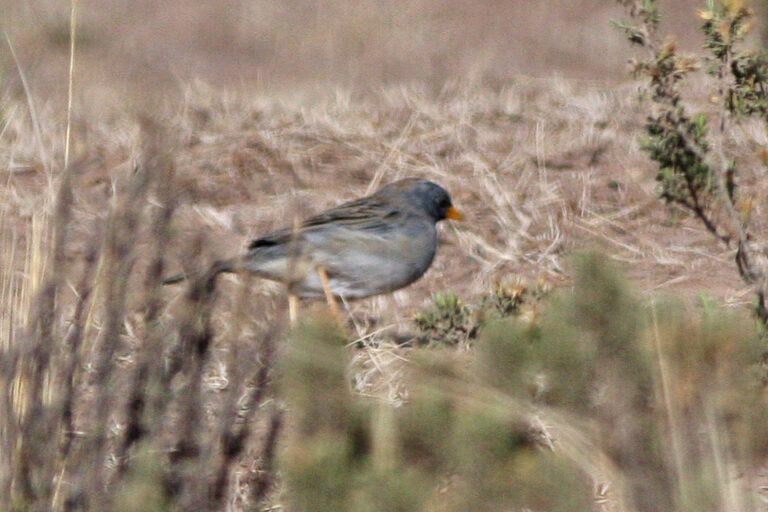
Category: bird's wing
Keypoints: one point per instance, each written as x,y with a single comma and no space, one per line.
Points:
361,214
364,214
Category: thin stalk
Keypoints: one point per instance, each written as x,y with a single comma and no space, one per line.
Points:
70,85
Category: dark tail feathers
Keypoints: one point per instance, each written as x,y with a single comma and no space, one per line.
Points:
176,279
208,277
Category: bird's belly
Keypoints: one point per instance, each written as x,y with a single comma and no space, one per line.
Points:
358,274
351,275
348,287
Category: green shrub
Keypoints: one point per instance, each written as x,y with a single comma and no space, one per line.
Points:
689,142
602,390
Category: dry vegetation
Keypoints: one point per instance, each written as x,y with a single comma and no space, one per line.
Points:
167,397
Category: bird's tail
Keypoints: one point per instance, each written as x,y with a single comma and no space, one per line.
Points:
208,276
176,278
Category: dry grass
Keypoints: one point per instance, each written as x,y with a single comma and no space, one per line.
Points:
539,167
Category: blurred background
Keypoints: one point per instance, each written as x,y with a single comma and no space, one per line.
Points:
301,43
268,109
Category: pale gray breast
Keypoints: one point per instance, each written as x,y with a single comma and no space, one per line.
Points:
365,263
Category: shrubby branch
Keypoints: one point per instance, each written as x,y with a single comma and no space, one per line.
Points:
695,172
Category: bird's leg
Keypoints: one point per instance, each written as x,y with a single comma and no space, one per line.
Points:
293,252
332,304
293,308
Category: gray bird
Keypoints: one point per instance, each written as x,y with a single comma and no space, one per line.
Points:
368,246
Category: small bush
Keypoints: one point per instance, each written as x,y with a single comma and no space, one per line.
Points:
449,320
601,391
697,169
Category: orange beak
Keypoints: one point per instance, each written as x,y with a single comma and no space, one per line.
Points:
454,214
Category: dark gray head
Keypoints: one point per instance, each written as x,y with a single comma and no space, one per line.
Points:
425,195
